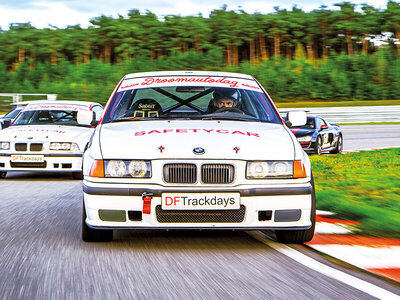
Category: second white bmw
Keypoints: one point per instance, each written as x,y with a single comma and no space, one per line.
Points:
47,136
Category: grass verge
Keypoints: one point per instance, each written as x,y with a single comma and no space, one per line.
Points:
361,186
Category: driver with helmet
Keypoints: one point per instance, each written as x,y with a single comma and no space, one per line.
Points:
223,98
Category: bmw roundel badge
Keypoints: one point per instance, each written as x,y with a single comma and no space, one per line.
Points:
199,150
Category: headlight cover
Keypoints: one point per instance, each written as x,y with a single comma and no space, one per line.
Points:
269,169
127,168
64,146
4,146
304,139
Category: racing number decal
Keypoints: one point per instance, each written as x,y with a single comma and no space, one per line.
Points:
325,139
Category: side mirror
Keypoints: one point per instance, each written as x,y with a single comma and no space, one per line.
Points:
85,117
6,123
324,126
296,118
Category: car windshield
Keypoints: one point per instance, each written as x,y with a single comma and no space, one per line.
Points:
47,117
189,102
13,113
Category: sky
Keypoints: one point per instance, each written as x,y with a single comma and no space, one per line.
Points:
47,13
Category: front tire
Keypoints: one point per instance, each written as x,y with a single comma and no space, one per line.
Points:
317,146
3,174
339,146
300,236
95,235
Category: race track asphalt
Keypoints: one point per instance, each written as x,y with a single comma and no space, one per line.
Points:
43,257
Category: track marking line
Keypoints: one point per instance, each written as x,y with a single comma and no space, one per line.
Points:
311,263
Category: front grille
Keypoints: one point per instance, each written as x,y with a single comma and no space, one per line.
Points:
28,165
36,147
217,173
180,173
21,146
305,144
200,216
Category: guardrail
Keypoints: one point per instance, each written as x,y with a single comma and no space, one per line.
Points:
353,114
16,98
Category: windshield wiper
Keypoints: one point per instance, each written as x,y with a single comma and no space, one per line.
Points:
128,119
229,118
235,116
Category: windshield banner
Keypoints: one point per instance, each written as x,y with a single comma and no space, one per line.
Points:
164,81
56,107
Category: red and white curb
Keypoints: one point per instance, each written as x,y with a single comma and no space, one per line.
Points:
338,238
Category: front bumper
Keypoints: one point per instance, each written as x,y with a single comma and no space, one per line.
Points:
64,162
307,146
263,207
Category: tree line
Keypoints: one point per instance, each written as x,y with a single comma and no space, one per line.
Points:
341,77
240,36
323,54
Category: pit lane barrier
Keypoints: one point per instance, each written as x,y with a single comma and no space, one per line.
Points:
352,114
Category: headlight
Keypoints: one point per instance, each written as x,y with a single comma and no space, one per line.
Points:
269,169
139,168
128,168
304,139
116,168
64,146
4,145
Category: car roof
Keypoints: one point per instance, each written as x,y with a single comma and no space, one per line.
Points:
64,102
188,73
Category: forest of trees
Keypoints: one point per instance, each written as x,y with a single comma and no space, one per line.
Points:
321,54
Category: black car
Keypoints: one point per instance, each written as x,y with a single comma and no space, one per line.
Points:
319,136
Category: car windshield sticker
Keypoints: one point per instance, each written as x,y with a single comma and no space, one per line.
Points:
135,83
56,107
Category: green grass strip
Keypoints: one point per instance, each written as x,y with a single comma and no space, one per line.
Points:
361,186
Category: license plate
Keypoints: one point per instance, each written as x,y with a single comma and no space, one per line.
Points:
27,158
200,201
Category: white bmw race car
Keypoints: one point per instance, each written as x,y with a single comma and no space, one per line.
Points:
47,136
196,150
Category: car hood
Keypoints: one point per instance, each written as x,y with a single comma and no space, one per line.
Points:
177,139
42,133
299,132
